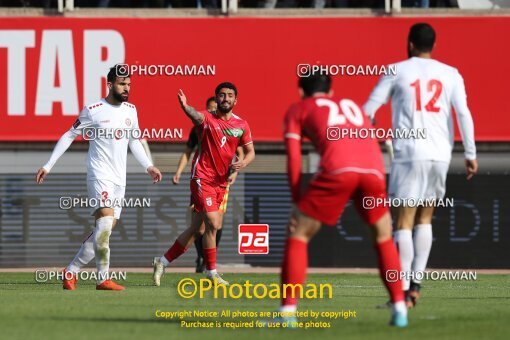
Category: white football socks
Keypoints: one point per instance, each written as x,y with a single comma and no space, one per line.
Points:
404,240
84,255
422,244
164,261
288,309
102,247
399,307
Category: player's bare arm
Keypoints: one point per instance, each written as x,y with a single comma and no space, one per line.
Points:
240,155
196,117
183,161
249,156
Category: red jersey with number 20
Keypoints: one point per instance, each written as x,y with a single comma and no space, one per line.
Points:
218,141
324,120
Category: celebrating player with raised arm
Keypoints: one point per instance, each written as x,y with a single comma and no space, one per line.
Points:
191,145
349,168
106,170
423,93
220,134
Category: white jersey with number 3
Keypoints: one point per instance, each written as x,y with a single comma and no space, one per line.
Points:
423,93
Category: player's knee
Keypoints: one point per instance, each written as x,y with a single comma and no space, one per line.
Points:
304,228
381,229
213,224
104,227
216,225
423,220
199,233
103,212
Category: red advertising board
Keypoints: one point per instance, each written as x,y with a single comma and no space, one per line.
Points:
51,67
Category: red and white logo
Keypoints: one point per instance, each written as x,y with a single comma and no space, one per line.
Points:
253,239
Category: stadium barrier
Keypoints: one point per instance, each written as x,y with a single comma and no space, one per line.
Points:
36,232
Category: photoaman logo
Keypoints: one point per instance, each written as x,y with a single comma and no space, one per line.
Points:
253,239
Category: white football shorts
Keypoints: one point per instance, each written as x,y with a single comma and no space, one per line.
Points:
106,194
418,180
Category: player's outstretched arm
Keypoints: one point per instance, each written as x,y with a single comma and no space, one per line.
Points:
62,145
196,117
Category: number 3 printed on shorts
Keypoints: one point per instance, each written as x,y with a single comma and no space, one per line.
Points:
104,195
433,85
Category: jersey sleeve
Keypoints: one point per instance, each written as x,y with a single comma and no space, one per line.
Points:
246,137
136,146
292,123
380,95
192,139
136,127
464,118
84,121
293,136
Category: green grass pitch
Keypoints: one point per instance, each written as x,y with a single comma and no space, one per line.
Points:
448,309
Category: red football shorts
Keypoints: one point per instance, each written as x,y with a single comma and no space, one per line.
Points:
326,196
206,197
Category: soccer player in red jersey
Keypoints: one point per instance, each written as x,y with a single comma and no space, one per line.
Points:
349,168
220,134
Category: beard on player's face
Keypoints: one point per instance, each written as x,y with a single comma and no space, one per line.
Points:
121,96
226,105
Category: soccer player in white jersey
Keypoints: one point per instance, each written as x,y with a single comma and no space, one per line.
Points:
106,170
422,93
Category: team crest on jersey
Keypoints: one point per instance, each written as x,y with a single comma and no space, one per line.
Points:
234,132
208,201
128,122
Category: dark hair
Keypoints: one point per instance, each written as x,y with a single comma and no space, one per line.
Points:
423,37
225,85
315,83
119,70
210,99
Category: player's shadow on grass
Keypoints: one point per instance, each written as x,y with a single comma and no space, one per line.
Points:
118,319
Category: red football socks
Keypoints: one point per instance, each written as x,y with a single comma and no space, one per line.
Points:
175,251
389,269
210,258
295,264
